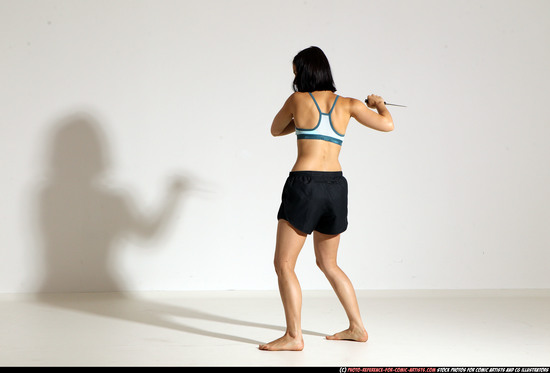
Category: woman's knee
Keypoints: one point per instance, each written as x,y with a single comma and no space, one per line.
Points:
283,267
326,266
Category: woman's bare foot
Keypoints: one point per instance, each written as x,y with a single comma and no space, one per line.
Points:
351,334
285,343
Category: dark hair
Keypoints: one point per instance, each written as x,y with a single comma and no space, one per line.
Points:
312,71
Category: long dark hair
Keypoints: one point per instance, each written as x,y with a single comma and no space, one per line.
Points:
312,71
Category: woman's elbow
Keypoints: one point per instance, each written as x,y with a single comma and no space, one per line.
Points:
389,126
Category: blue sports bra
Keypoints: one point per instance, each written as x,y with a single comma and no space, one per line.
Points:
324,129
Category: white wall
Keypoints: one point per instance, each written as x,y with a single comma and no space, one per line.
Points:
103,103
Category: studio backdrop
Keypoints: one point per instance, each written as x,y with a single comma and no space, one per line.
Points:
136,151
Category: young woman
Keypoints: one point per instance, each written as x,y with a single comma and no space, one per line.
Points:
314,196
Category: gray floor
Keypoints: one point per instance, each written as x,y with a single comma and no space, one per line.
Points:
406,328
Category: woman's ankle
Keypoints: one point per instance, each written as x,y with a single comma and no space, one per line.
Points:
294,334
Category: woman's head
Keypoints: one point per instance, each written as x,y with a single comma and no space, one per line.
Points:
312,71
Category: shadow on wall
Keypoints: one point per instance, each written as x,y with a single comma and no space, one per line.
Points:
80,221
80,218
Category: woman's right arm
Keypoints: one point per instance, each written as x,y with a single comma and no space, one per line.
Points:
283,123
381,121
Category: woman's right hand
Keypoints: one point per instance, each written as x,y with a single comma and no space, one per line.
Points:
373,101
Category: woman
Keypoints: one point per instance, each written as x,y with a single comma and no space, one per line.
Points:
314,197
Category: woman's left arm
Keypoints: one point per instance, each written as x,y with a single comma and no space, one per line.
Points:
283,123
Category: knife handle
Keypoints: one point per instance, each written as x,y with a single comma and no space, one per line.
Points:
367,101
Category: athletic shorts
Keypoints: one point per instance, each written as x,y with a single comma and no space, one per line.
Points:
315,201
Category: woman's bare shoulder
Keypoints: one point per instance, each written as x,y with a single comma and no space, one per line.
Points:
349,103
349,100
299,100
299,96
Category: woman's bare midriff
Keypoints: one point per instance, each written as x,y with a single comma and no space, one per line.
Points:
317,155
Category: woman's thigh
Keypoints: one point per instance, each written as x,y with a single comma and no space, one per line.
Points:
326,249
289,244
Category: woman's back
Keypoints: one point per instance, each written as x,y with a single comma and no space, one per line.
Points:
312,110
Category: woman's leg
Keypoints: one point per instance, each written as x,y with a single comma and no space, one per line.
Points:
326,248
289,244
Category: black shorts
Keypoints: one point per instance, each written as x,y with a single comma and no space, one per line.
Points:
315,200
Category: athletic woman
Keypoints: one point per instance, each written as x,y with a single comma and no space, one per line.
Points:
314,199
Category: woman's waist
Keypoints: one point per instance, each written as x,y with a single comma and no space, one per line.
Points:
315,155
312,164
